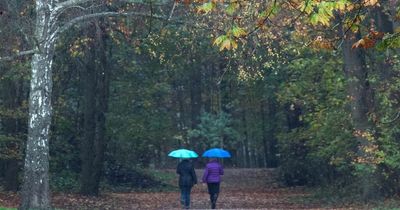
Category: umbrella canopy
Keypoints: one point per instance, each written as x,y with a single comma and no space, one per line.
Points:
183,153
216,153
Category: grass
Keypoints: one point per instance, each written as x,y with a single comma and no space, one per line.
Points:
388,204
157,181
161,175
166,178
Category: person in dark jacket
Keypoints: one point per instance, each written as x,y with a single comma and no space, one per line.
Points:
212,176
187,178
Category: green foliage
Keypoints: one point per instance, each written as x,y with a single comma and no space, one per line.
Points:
325,142
390,41
238,32
64,181
124,179
215,130
231,8
207,7
10,147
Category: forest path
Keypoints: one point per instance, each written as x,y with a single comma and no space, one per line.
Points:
240,189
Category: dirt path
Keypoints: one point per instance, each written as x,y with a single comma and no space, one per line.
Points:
240,189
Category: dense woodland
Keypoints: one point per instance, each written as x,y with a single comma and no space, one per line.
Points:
308,87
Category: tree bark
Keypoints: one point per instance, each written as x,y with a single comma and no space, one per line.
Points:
35,190
195,102
268,110
195,96
245,142
358,94
103,84
89,130
96,84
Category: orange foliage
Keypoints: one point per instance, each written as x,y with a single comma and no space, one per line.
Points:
369,40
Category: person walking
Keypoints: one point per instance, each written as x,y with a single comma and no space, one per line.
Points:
187,178
212,176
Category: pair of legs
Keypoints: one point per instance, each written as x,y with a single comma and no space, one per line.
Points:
213,190
185,196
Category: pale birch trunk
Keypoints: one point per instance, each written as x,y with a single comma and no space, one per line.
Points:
35,190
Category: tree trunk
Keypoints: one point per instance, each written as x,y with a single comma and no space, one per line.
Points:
180,115
195,104
89,130
96,84
103,84
394,5
35,191
195,96
357,77
246,157
268,135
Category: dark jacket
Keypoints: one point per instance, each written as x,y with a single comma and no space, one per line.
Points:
187,175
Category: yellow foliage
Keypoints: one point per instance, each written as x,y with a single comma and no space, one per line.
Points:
238,32
226,44
370,2
321,43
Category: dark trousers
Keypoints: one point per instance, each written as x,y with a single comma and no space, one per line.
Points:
185,196
213,190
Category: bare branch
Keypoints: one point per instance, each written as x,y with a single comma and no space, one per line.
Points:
69,3
108,14
19,54
172,10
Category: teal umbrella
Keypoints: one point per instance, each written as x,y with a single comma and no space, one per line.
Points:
183,153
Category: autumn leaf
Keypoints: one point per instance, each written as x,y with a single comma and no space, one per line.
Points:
306,6
219,40
206,7
370,2
358,44
321,43
238,32
226,44
234,44
319,18
365,43
342,5
232,7
376,35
